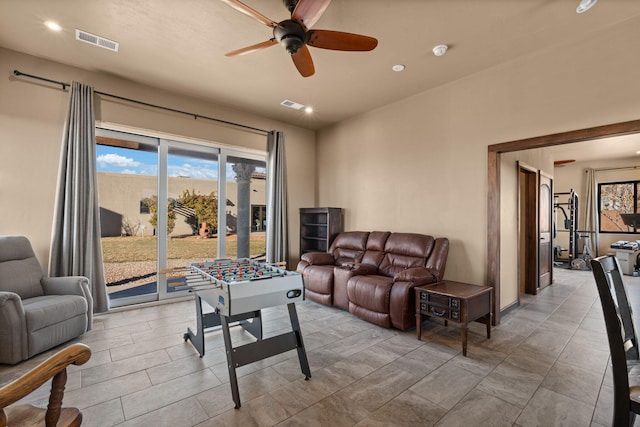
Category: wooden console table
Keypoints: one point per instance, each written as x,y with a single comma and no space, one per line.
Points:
461,303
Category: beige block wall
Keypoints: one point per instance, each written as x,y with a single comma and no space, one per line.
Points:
31,126
420,164
121,194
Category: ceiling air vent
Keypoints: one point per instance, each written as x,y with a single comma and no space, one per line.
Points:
83,36
291,104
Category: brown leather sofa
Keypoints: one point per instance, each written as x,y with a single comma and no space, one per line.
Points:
372,274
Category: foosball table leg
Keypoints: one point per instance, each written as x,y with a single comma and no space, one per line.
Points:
302,354
197,339
233,379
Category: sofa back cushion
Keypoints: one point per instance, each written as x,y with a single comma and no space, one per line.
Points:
375,248
405,250
20,271
348,247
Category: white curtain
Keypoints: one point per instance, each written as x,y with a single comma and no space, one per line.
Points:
591,218
277,221
76,249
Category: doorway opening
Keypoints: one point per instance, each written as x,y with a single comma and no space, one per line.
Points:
494,194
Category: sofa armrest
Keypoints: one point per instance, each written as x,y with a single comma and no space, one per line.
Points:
71,285
318,258
13,329
418,276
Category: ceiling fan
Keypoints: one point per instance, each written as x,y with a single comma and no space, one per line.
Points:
295,33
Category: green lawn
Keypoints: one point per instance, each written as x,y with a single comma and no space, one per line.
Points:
127,249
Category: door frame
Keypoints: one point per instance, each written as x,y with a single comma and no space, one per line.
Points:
527,227
493,185
549,259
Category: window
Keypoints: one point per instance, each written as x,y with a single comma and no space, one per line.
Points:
144,207
618,206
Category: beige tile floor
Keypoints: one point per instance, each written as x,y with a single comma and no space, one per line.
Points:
545,365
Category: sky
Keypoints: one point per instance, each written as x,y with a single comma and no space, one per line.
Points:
136,162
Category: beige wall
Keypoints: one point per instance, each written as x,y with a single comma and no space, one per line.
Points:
420,164
540,160
573,176
31,126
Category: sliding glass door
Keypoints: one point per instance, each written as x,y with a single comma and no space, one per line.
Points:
165,204
192,209
127,190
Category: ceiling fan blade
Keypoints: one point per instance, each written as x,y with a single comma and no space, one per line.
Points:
304,63
337,40
252,48
241,7
307,12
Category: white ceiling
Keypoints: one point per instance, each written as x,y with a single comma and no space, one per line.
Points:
179,45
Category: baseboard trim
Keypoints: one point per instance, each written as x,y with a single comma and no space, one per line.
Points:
508,309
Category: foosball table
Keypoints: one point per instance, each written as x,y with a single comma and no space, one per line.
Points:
238,290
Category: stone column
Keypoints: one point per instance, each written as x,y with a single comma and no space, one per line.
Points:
243,178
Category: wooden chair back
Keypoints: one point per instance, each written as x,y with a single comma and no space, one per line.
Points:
55,367
621,334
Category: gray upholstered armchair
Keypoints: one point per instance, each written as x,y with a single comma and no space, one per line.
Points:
37,312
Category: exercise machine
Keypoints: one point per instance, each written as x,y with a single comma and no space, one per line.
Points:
569,211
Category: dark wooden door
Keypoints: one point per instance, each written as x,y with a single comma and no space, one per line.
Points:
545,225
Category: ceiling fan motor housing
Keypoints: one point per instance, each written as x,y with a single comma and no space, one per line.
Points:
291,35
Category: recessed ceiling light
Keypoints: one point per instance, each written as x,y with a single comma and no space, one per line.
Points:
308,110
585,5
440,50
398,67
637,152
53,26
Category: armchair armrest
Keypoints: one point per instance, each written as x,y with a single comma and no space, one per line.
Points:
417,275
13,328
7,298
68,285
54,367
318,258
71,285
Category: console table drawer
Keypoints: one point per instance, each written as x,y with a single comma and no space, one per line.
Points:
439,311
441,300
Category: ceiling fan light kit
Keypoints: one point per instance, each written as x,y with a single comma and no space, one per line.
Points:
295,33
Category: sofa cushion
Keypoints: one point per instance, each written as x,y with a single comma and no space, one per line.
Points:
369,298
319,279
44,311
375,248
370,292
348,247
405,250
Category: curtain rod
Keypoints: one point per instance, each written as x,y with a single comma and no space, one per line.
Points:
617,169
135,101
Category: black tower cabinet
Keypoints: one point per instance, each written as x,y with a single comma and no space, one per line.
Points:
318,228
